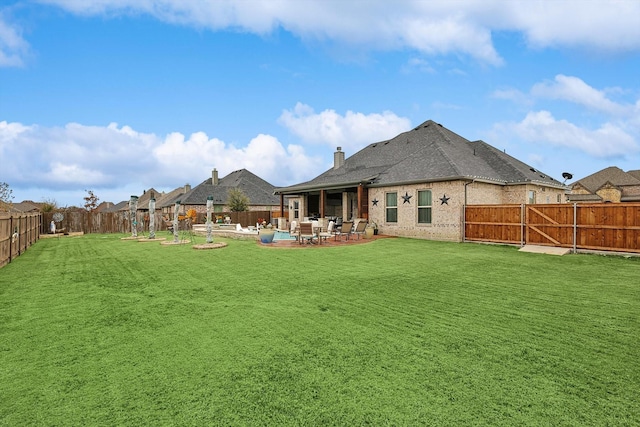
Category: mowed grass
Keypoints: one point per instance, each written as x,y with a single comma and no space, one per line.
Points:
99,331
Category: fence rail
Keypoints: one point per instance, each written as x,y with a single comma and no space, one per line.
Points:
603,226
17,233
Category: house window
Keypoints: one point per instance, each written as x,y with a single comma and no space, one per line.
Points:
392,207
532,197
424,207
296,210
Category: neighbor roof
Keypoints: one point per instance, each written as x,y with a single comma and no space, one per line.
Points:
259,191
612,174
123,205
26,206
429,152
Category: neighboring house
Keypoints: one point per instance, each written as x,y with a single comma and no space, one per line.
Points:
611,184
167,201
143,200
26,206
417,184
259,192
120,206
104,207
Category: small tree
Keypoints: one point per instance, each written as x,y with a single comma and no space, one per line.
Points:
49,205
6,196
90,201
237,201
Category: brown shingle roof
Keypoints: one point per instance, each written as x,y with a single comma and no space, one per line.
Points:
429,152
612,174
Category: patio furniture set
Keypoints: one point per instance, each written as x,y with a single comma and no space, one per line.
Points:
315,233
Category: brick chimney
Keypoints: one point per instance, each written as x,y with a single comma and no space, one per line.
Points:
338,158
187,188
214,177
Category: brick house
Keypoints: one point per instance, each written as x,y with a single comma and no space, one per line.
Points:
260,193
611,184
417,184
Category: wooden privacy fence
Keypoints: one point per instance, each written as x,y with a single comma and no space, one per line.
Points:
90,222
602,226
17,233
119,222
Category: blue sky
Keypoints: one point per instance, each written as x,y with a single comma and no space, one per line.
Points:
117,96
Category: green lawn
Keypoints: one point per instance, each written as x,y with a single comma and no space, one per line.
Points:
99,331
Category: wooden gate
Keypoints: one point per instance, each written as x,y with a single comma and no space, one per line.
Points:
549,225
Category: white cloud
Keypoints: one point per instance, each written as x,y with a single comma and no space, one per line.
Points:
575,90
608,141
603,24
433,27
76,157
352,131
13,47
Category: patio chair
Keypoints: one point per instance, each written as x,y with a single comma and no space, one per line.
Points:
345,230
306,234
360,228
328,233
293,230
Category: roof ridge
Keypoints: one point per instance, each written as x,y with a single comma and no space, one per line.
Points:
439,129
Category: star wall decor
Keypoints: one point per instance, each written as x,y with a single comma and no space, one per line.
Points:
375,202
444,200
406,198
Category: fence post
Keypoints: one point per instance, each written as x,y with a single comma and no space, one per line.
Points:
522,224
575,227
464,221
10,237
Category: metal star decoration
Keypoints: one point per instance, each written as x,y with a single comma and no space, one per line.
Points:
375,202
444,200
406,198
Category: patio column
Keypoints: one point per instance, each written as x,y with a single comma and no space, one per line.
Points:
322,199
363,211
281,205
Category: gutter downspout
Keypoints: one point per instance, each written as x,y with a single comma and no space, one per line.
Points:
465,190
